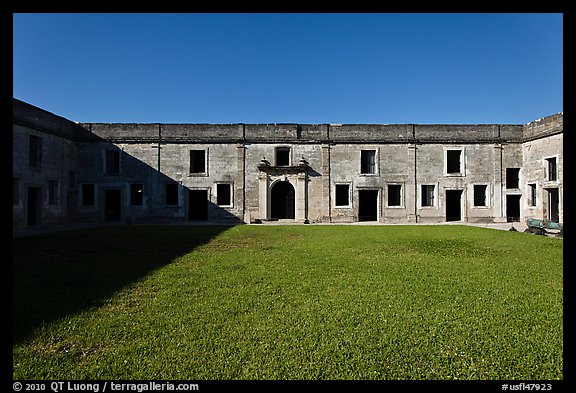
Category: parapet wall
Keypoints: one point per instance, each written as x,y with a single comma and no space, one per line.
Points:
29,115
306,133
40,119
546,126
201,132
391,133
457,133
118,132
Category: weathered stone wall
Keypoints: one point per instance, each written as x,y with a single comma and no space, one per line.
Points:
58,164
120,132
309,133
322,156
546,126
476,133
377,133
535,171
46,122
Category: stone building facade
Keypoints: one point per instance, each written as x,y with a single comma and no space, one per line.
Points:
307,173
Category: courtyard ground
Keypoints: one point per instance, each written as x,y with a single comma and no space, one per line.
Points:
288,302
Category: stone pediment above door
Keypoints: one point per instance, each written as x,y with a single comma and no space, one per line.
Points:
265,166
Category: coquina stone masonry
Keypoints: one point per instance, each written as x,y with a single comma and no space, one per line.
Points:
304,173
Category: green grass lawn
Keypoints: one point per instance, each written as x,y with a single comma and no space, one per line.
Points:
287,302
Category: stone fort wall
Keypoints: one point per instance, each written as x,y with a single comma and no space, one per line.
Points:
388,173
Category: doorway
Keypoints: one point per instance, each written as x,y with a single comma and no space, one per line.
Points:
34,206
553,204
112,205
367,205
282,201
513,208
453,205
198,205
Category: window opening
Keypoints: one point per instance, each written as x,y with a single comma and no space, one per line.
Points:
368,162
394,195
512,177
136,194
197,161
427,195
480,194
532,194
35,151
15,191
342,194
171,194
223,194
87,194
453,161
282,156
112,165
552,169
53,194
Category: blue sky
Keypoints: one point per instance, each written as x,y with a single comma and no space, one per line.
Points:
291,68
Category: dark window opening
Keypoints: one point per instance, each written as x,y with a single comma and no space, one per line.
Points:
34,206
480,195
87,194
453,161
136,194
15,191
394,195
368,161
342,194
512,177
427,195
53,194
223,194
171,195
35,151
532,196
553,204
282,156
552,169
112,165
197,161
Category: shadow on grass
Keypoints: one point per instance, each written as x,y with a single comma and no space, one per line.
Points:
64,273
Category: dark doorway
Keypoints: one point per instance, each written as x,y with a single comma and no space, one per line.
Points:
34,205
553,202
367,205
513,208
283,200
112,205
453,205
198,205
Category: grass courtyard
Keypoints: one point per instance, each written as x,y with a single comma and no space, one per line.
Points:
287,302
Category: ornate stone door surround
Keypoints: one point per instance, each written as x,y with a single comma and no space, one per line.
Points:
296,175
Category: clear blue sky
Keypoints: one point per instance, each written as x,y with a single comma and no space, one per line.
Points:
291,68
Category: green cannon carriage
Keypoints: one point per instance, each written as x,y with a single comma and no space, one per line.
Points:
540,227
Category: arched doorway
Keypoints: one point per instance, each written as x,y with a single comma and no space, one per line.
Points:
282,200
